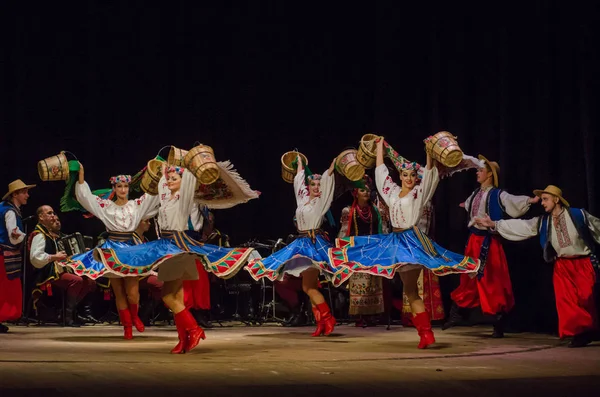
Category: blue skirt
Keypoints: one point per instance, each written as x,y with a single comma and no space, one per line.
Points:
300,255
85,264
175,255
384,254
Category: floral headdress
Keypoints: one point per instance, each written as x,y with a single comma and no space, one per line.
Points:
176,169
120,179
314,177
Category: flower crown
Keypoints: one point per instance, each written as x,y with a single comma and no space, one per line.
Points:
414,166
174,168
314,177
120,179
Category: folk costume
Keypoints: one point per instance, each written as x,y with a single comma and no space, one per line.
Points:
407,247
196,293
366,291
11,294
121,222
309,249
48,275
492,288
568,241
175,253
429,283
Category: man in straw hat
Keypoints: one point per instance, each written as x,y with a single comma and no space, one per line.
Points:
11,237
492,288
568,237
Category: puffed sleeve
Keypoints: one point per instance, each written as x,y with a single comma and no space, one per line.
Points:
327,188
88,200
515,206
300,189
518,229
385,185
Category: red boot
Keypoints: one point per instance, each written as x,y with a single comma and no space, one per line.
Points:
125,317
327,318
423,325
320,328
139,325
194,332
182,333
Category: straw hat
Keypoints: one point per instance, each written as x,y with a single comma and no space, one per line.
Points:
553,190
14,186
494,166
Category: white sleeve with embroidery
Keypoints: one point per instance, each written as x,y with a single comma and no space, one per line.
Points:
146,205
327,188
37,254
515,206
385,185
344,222
518,229
300,189
88,200
594,225
186,193
10,219
431,178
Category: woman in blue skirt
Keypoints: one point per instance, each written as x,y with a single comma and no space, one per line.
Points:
306,257
175,253
407,250
121,218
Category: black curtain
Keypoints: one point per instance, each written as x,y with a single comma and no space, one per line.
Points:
113,83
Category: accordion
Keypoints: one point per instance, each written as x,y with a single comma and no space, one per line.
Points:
72,244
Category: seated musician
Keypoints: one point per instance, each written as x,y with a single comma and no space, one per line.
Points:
43,253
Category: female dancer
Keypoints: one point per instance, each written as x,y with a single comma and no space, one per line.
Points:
362,218
307,254
407,249
176,253
121,217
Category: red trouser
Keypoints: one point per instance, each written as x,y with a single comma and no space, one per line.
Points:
288,289
11,295
574,281
494,291
196,293
74,285
154,286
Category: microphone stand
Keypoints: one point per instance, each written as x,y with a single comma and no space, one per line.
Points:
24,318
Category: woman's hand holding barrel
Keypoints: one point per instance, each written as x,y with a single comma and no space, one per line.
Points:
81,173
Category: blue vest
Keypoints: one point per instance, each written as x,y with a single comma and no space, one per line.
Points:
579,220
495,210
6,206
493,205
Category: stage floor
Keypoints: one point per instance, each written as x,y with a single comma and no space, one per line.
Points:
271,360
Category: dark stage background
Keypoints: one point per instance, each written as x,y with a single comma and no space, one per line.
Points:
113,83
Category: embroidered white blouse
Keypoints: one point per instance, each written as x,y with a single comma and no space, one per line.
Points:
310,213
175,210
117,218
564,236
515,206
405,212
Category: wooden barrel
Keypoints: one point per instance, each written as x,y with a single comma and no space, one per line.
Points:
287,171
367,151
444,148
55,168
176,156
347,165
151,177
200,161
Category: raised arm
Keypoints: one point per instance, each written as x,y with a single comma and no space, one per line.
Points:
517,206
